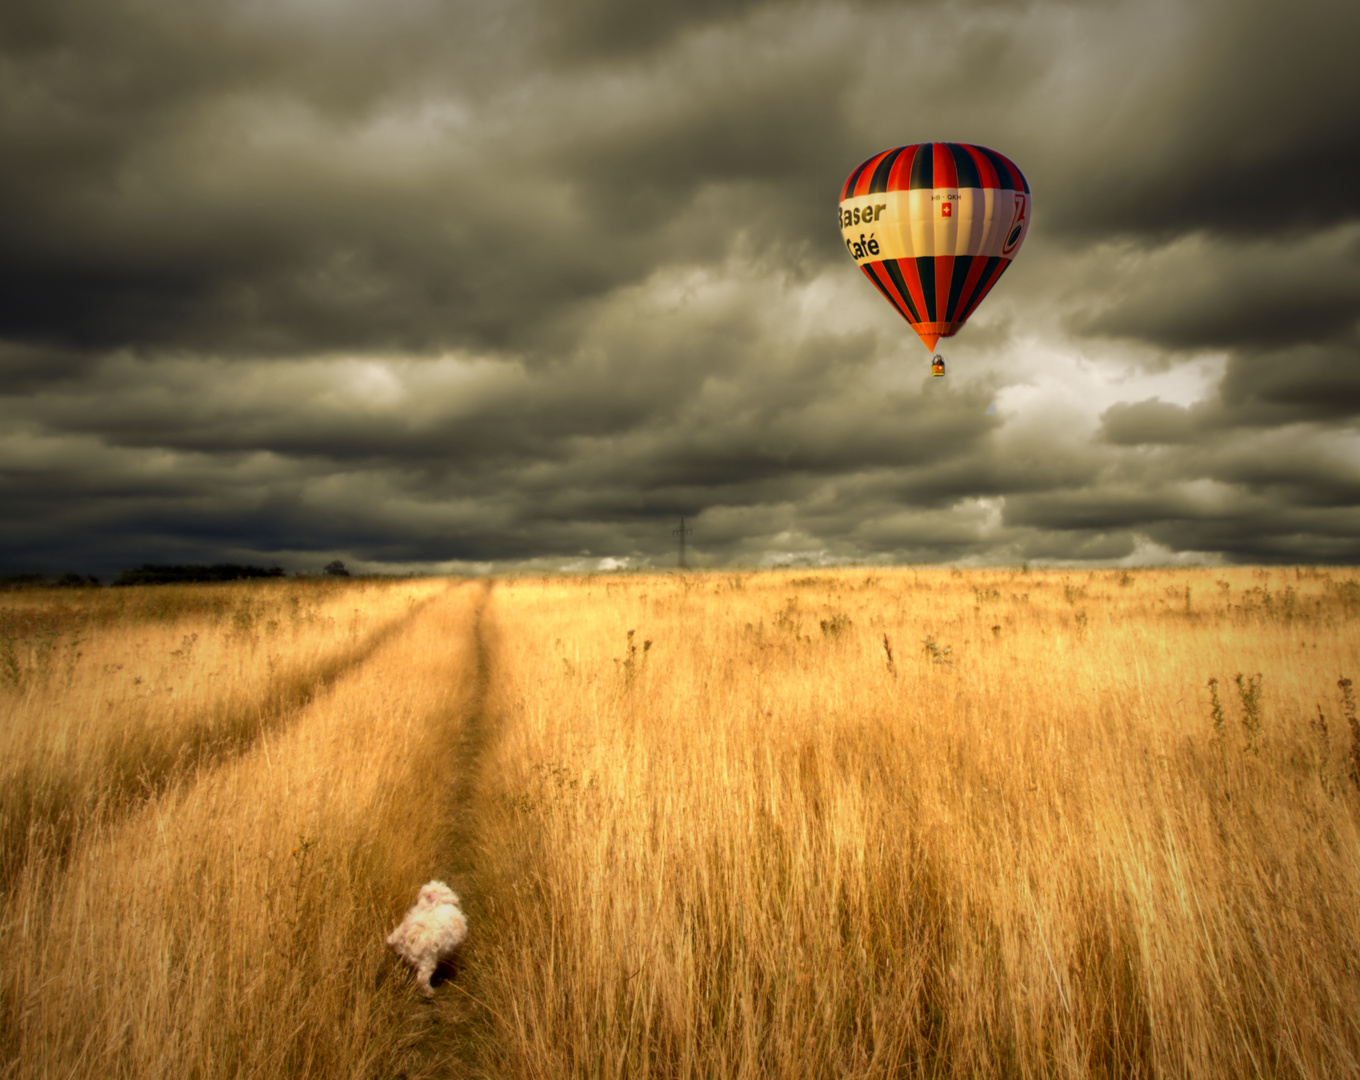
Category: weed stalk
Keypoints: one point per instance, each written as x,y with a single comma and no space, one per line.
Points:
1249,690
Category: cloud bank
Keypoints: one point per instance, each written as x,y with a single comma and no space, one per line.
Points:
429,286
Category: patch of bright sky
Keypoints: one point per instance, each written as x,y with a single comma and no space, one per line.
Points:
821,557
592,565
1080,381
436,126
367,383
1147,552
441,389
985,513
1039,370
1209,495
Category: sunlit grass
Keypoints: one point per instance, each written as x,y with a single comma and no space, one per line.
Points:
923,823
836,824
233,925
107,695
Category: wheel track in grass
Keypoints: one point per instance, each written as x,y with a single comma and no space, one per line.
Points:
459,863
34,812
452,1020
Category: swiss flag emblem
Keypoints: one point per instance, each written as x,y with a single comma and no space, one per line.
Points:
946,209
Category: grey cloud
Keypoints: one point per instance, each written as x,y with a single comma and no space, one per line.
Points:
420,284
188,231
1322,537
531,467
590,30
1245,120
1151,421
1293,469
1275,386
1284,312
1254,496
1103,507
701,414
1202,293
234,206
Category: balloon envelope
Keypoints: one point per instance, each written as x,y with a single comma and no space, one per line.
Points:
934,226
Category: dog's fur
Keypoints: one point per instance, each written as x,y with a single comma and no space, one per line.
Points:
431,931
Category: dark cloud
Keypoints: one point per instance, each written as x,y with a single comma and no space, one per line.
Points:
582,31
1152,421
423,284
1194,481
1308,383
1242,119
1198,293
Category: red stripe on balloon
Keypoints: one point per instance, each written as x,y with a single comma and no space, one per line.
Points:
890,267
912,277
946,176
986,288
970,283
888,286
866,174
854,176
986,170
1017,177
874,272
900,177
944,273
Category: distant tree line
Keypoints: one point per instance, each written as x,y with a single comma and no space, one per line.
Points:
42,581
161,574
149,574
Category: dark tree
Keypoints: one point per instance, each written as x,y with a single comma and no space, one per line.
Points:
336,569
149,574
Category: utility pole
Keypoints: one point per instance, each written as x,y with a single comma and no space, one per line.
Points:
682,532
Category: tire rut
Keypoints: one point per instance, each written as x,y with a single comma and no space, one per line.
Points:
453,1024
59,817
459,862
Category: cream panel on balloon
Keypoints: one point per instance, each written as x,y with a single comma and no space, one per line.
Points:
934,221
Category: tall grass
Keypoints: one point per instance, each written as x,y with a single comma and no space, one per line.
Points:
232,926
909,823
108,695
852,823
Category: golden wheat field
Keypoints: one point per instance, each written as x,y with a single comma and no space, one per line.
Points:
849,823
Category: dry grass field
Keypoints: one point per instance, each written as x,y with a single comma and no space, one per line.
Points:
109,694
849,823
231,923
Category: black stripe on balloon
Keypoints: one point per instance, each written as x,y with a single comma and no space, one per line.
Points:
1003,174
895,272
979,263
984,284
923,167
925,267
869,273
878,183
962,264
849,188
965,166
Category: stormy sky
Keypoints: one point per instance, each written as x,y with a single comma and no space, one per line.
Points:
517,283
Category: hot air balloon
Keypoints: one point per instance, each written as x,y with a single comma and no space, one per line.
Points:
934,227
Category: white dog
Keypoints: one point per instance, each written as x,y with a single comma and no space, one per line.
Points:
430,932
